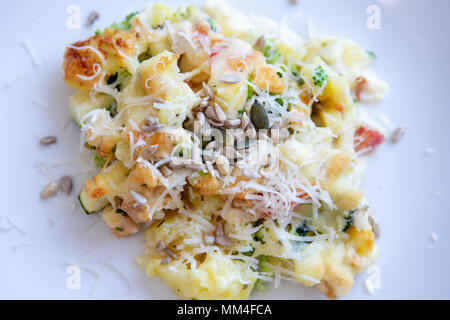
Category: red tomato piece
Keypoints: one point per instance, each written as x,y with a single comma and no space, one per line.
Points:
367,139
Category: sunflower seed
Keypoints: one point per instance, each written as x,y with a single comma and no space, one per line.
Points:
221,116
45,141
224,241
166,171
250,174
250,132
259,116
210,151
209,239
152,128
50,190
212,117
245,143
151,120
160,246
279,135
245,121
219,230
66,184
201,118
260,43
232,123
179,163
375,226
231,79
148,152
93,16
222,165
166,260
171,253
231,153
208,91
397,134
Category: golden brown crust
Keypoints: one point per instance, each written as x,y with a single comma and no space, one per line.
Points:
81,62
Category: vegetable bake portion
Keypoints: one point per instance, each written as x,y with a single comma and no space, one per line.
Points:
238,145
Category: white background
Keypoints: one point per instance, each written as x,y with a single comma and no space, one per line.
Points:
408,188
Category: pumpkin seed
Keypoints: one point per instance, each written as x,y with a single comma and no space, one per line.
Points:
259,116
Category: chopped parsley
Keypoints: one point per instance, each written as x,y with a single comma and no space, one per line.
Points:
259,285
119,229
159,225
320,76
250,92
349,220
296,73
120,211
125,24
280,74
99,162
279,101
212,25
271,53
371,54
303,230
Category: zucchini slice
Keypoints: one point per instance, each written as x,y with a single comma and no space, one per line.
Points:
81,104
90,205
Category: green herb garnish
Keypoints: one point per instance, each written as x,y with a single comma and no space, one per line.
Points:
320,76
120,211
349,220
125,24
371,54
99,162
303,230
119,229
212,25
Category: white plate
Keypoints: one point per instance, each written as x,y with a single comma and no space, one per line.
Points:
407,187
